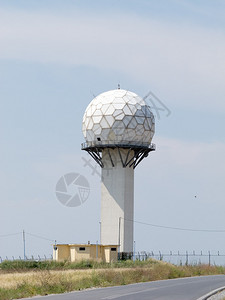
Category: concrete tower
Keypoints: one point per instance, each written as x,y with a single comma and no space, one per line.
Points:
118,127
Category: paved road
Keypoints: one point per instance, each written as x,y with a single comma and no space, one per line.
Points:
174,289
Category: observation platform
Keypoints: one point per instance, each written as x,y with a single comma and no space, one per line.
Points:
140,151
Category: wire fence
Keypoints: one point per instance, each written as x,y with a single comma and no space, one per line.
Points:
179,258
27,258
176,258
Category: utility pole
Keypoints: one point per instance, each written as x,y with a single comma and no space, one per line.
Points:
55,249
134,258
119,233
97,251
100,224
24,246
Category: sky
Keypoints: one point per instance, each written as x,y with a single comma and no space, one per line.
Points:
55,56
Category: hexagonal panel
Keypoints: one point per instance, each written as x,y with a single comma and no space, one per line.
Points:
117,112
110,120
120,116
90,124
140,120
118,105
104,108
127,110
133,123
110,110
140,130
104,123
97,112
126,120
96,119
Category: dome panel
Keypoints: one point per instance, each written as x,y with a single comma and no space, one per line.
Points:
140,100
90,124
93,108
146,111
97,129
104,134
132,100
150,122
126,120
132,108
110,110
110,120
96,119
140,130
146,125
86,121
118,105
117,112
90,135
127,111
119,100
98,112
139,113
99,105
119,93
138,106
140,120
104,108
118,116
131,134
132,124
108,98
104,123
88,112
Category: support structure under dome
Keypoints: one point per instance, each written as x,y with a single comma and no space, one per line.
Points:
139,151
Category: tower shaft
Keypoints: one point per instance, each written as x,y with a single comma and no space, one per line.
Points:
117,199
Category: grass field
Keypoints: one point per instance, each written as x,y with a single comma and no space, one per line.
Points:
20,279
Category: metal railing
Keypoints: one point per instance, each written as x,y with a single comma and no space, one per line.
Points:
114,143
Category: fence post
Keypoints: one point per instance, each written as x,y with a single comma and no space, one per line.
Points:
209,259
186,258
160,256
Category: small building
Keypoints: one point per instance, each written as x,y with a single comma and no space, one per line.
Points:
78,252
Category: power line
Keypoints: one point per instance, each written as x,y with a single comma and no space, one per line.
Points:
40,237
10,234
31,234
176,228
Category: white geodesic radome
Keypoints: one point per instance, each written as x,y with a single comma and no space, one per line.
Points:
118,117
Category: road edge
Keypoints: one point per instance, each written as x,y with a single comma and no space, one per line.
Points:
205,297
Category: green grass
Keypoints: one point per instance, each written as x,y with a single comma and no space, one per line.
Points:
21,265
43,278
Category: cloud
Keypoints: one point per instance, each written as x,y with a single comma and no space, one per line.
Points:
185,59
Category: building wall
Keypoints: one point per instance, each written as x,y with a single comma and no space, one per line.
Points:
62,253
117,201
109,254
75,252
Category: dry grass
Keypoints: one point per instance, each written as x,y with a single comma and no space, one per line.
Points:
13,280
19,284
